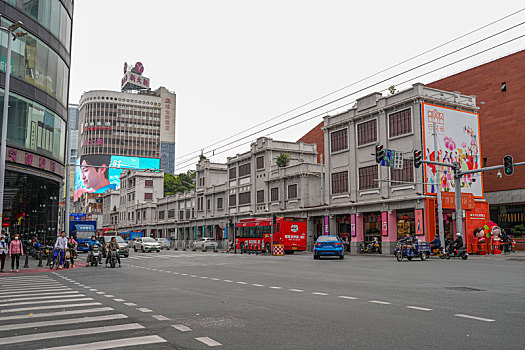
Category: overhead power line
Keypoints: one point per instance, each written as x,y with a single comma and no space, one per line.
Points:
355,92
358,81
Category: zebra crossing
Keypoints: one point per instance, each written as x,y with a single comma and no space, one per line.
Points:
39,312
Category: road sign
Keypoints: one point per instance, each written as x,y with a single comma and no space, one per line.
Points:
398,161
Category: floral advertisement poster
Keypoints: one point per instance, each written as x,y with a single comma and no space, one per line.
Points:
457,141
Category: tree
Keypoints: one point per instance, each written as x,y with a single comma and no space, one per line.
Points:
180,183
392,89
202,157
283,160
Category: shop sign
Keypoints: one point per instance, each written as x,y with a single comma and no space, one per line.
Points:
34,160
448,200
352,225
384,223
419,222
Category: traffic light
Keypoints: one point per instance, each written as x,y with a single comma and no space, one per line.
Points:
508,165
380,153
274,219
418,158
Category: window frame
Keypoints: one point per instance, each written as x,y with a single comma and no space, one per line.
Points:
357,132
410,166
340,180
347,140
296,191
258,199
257,162
359,178
411,123
272,192
247,195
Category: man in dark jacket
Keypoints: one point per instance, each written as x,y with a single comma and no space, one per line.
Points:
436,243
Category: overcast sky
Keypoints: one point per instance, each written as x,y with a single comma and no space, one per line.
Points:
235,64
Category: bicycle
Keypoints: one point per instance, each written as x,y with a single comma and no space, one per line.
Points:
56,259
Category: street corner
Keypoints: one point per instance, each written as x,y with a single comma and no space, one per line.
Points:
28,271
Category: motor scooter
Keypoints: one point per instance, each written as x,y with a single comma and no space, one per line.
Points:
113,258
455,252
93,255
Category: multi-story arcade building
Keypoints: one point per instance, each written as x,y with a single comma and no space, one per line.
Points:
38,101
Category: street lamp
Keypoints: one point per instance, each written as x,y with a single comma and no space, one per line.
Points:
11,36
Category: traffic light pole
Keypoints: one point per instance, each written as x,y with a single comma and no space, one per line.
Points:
438,192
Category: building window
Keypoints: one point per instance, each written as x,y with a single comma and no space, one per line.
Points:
260,196
260,162
368,177
339,140
171,214
181,214
244,198
400,123
200,203
232,200
292,191
402,176
208,204
232,173
274,194
161,215
201,181
340,182
148,196
148,183
367,132
219,203
245,169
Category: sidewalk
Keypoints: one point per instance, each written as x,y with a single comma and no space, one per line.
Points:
33,266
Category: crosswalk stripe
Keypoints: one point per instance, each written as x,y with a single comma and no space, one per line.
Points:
32,284
208,341
58,313
112,344
68,333
19,282
23,291
62,322
36,302
48,307
26,278
34,297
19,295
181,327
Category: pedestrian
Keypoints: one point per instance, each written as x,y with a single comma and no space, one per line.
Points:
15,250
72,246
3,252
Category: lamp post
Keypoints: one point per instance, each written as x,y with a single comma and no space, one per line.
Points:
11,36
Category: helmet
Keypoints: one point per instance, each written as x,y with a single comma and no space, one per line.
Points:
458,234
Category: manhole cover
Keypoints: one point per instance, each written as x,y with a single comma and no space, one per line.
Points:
465,289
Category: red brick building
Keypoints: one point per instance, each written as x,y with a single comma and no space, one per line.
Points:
500,89
316,135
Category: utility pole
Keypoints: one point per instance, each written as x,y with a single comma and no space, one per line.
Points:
322,181
438,192
457,190
68,175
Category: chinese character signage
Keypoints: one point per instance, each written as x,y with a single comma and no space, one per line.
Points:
34,160
458,141
134,81
167,115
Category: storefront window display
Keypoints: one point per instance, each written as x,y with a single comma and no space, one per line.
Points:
405,223
34,127
372,226
50,14
36,63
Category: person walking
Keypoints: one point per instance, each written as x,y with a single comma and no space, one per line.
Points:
4,250
15,250
72,246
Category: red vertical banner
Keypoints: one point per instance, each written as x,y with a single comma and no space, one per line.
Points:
352,225
419,222
384,223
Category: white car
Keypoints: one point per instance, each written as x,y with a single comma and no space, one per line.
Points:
146,244
204,243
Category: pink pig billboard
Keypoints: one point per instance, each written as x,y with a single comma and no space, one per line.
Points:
458,141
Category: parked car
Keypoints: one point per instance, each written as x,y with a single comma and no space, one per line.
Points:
123,246
146,244
164,243
329,245
204,243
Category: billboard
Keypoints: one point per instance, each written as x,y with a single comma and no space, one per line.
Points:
458,141
90,179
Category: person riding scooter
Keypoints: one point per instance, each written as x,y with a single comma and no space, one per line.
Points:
92,243
458,242
113,246
435,244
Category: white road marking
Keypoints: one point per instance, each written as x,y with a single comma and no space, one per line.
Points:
175,273
475,318
34,302
296,290
184,274
319,293
193,276
228,281
181,327
208,341
94,290
346,297
26,278
59,313
68,333
119,300
204,277
130,304
160,317
380,302
144,309
133,257
215,279
62,321
273,287
101,293
48,307
419,308
241,282
30,285
71,294
34,290
109,296
112,344
257,285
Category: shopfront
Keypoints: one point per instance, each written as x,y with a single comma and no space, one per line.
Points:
372,226
405,223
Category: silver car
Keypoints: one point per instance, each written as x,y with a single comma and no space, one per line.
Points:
146,244
204,243
164,243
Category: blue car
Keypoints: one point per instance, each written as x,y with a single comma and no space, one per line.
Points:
329,245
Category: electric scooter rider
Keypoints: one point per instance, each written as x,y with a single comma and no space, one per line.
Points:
93,242
435,244
113,246
457,244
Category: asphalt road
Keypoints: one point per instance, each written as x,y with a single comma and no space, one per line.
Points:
194,300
